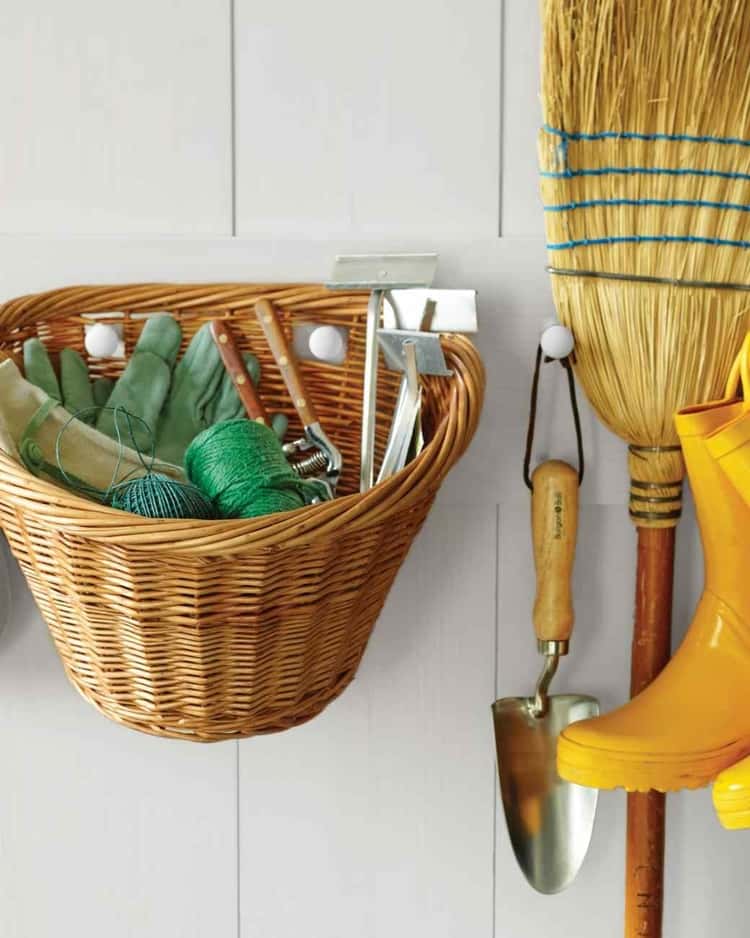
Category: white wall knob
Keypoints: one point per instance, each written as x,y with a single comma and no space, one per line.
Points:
556,340
102,340
327,344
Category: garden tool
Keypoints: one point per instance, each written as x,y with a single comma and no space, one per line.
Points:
449,310
326,461
379,273
414,353
236,369
549,821
242,380
693,721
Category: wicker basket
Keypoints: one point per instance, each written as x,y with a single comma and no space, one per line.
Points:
212,630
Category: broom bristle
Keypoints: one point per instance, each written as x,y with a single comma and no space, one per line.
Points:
630,203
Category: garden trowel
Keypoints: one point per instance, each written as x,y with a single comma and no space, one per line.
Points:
550,821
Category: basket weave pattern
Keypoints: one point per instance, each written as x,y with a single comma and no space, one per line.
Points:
210,630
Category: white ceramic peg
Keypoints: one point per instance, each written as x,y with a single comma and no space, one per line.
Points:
327,344
556,340
102,341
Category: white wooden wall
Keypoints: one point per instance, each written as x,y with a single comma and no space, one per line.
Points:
233,139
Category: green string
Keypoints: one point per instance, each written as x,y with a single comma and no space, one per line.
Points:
151,495
157,496
241,467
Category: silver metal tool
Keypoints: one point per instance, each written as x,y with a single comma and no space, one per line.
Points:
405,417
379,273
549,820
326,461
413,353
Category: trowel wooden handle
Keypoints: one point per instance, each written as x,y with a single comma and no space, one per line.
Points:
554,523
237,371
282,352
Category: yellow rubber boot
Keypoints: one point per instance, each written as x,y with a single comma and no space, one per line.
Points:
732,796
693,721
730,444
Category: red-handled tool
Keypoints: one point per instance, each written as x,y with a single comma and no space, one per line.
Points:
327,460
237,371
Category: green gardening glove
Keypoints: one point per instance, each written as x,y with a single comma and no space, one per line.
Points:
176,404
74,390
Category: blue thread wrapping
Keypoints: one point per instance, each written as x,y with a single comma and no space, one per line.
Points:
644,239
665,203
567,173
629,135
642,171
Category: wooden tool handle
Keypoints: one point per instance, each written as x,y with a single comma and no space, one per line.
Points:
282,352
235,366
554,523
644,882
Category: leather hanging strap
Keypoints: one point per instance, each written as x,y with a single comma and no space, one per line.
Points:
565,362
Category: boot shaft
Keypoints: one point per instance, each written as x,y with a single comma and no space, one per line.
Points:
722,500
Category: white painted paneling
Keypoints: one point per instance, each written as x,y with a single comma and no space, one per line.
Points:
706,871
104,831
116,117
368,120
375,820
522,214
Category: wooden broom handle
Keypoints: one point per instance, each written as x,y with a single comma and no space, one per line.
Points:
237,371
644,865
282,352
554,525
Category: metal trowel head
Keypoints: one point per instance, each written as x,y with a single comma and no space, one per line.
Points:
550,821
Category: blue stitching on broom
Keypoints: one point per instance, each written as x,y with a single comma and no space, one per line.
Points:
641,171
667,203
629,135
645,239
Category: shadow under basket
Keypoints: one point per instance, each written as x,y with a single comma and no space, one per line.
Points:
211,630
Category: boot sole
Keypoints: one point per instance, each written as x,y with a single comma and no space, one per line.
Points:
643,772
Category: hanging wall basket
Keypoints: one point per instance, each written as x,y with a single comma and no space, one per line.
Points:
210,630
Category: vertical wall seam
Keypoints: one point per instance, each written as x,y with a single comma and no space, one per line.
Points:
501,147
233,117
237,834
495,792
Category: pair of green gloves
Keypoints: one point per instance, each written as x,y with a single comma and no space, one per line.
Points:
176,401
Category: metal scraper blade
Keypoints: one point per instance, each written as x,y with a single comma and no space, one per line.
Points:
382,271
550,821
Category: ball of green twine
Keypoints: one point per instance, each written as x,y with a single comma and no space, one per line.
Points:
241,467
157,496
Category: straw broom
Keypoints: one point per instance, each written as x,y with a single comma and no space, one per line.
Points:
648,229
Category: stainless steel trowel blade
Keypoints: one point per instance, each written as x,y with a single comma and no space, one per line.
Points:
549,821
